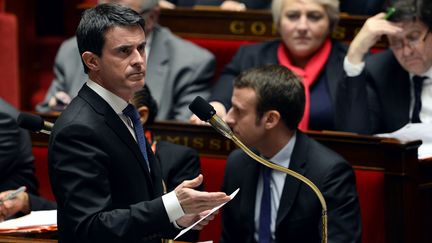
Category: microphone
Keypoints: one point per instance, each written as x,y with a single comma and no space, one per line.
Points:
34,123
204,111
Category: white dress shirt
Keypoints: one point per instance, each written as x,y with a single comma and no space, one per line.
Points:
353,70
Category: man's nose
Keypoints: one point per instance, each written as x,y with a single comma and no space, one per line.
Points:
229,118
139,59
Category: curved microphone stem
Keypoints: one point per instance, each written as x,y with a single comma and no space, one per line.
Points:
215,121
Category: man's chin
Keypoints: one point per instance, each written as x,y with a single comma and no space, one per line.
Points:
137,82
415,68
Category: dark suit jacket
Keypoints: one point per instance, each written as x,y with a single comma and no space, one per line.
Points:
16,158
255,55
378,100
104,190
179,163
299,214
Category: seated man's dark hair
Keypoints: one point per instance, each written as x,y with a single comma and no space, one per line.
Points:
143,97
277,88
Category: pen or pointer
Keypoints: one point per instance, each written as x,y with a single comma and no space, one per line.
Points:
390,12
13,194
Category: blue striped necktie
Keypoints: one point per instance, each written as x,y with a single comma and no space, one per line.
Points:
132,113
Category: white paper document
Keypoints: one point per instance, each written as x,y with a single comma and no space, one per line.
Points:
415,131
34,219
212,211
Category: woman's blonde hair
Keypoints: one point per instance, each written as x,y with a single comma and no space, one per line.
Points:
331,7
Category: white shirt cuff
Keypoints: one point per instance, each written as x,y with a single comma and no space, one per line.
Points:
353,70
172,206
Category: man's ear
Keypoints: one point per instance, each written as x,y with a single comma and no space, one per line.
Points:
144,114
91,60
271,118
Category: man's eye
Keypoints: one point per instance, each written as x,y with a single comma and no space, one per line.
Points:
413,37
141,48
124,50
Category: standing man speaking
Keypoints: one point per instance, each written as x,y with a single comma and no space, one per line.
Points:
106,181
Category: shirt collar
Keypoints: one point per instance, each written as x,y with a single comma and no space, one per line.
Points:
116,103
427,74
282,157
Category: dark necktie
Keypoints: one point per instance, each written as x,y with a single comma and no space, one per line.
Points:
265,210
418,85
132,113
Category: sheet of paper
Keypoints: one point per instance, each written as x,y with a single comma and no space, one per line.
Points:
415,131
34,219
212,211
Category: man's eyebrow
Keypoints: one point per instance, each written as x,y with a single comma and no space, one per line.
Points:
125,46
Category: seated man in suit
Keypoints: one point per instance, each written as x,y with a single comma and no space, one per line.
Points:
401,76
178,162
267,105
17,168
105,178
178,70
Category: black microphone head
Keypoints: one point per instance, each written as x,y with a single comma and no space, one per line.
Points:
202,109
30,121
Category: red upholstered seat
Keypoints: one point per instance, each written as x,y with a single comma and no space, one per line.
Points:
44,76
370,188
223,50
213,170
9,78
41,170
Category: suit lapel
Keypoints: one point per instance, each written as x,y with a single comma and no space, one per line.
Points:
291,186
247,209
156,174
401,86
115,123
393,86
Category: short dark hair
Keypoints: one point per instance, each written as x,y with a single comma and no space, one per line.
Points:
143,97
95,22
426,13
277,88
411,10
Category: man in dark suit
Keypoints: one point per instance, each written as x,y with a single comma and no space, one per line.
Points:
401,77
267,104
105,178
16,167
178,70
